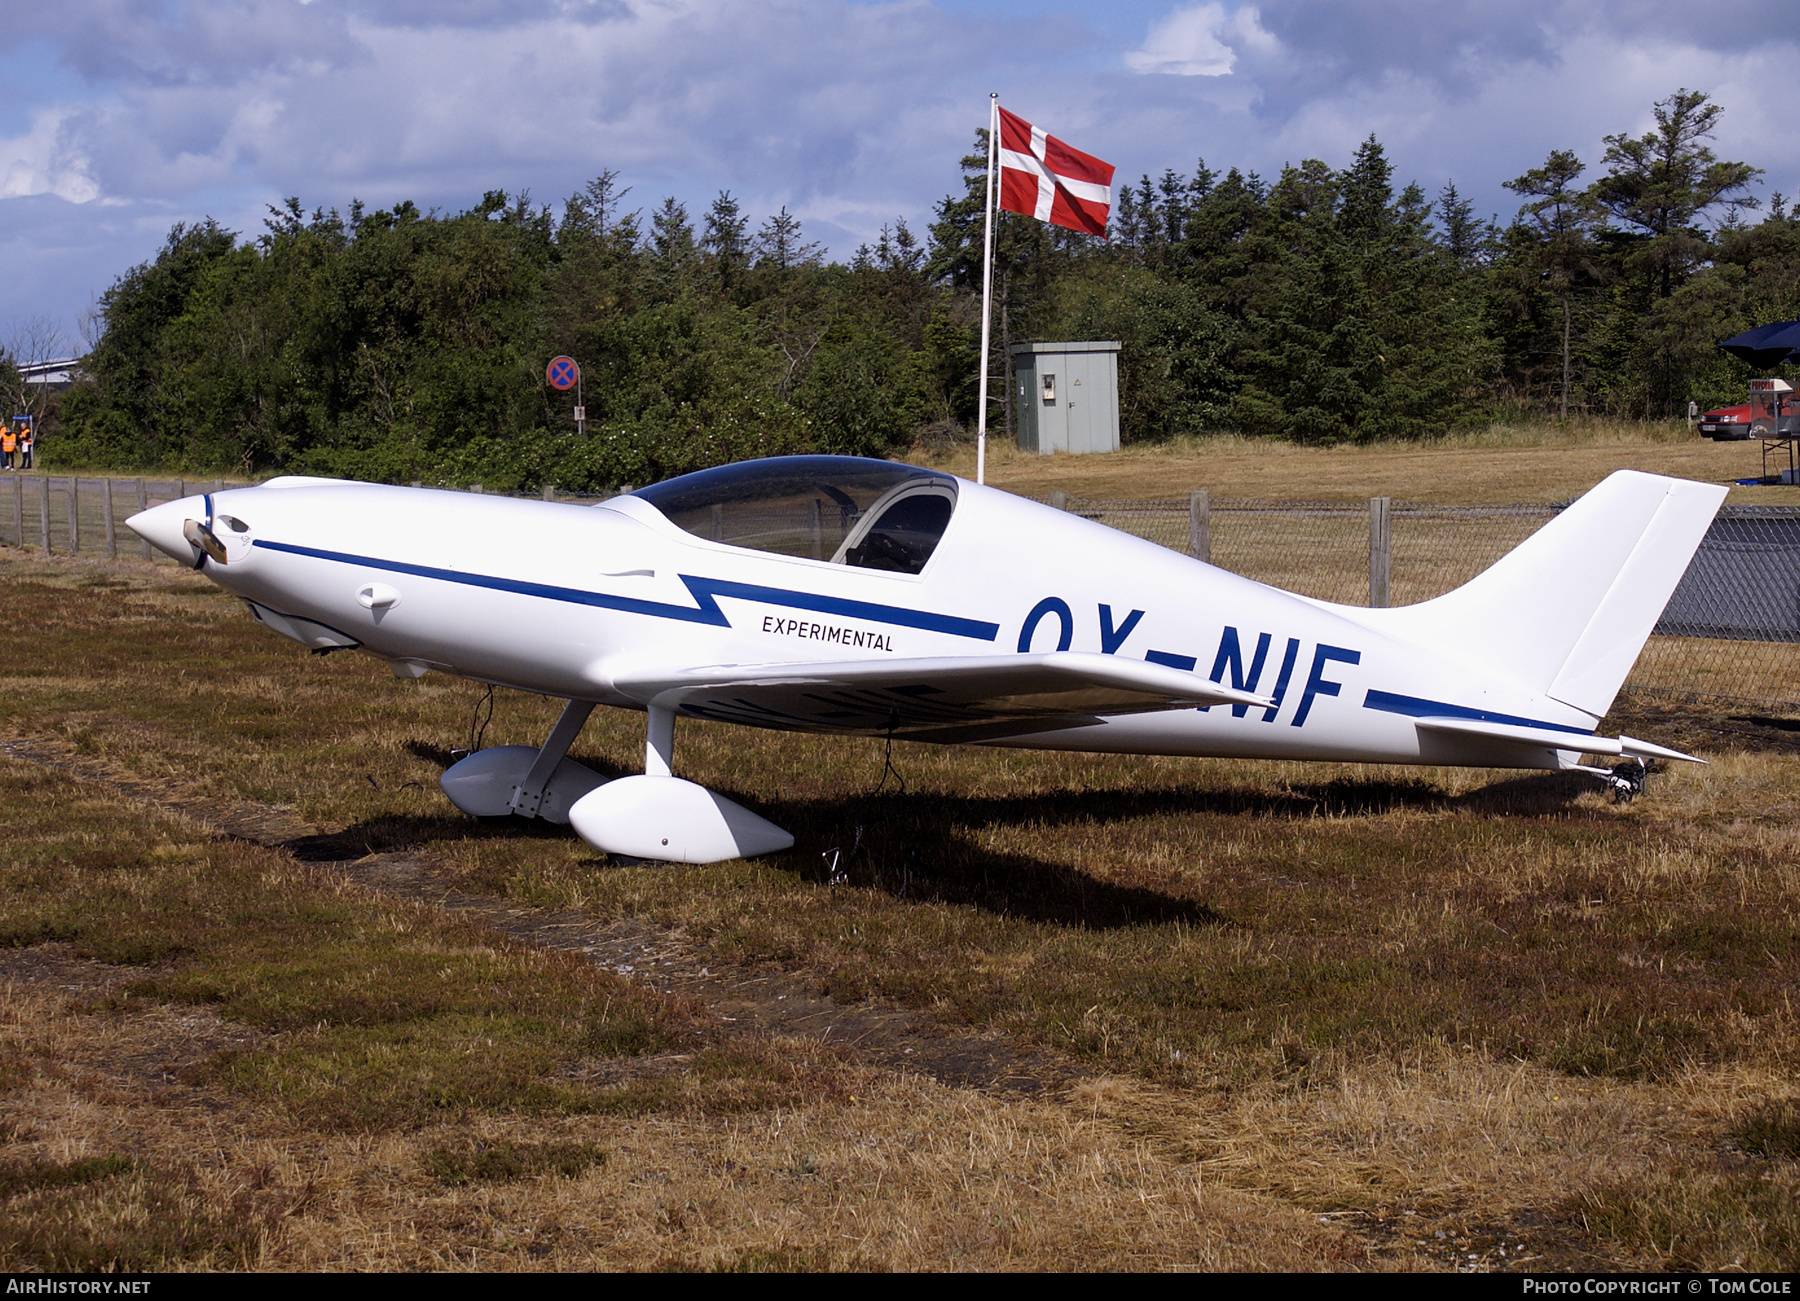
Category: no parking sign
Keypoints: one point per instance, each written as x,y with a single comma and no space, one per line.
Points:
562,374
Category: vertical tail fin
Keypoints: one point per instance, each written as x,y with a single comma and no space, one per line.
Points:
1567,611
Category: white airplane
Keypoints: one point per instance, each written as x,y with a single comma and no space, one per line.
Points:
840,595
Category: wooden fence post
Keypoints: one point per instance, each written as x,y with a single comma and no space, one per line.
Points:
1200,526
74,516
143,503
19,511
44,511
1059,500
1380,550
106,518
474,487
549,492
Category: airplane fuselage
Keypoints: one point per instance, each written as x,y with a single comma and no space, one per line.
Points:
569,600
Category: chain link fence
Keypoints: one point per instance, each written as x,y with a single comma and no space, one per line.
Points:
1327,549
1732,629
1731,632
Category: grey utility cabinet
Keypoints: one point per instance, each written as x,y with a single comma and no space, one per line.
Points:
1067,396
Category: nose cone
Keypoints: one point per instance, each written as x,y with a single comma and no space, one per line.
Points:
161,527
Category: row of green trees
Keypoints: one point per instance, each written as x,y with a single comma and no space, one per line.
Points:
1322,306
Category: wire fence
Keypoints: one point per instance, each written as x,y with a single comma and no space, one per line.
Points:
77,516
1329,550
1730,633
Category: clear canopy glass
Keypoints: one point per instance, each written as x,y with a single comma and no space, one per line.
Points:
843,509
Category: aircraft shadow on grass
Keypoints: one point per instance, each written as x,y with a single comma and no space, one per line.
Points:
1529,794
920,862
919,848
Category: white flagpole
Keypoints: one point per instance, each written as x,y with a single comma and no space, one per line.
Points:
987,286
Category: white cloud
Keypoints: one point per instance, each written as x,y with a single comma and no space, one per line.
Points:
850,112
794,99
47,160
1193,42
1186,43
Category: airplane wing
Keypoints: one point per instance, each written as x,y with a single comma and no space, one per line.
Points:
972,698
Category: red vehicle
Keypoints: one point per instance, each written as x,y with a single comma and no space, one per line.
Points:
1723,423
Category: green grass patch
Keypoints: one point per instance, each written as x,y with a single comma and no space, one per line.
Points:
33,1176
1701,1220
1772,1131
114,1214
14,1071
422,1071
1176,918
496,1163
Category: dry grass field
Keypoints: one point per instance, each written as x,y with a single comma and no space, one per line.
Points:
1505,464
267,1001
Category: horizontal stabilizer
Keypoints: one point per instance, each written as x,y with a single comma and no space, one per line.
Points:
1553,738
950,698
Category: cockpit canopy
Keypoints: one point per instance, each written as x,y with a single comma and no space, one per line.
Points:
842,509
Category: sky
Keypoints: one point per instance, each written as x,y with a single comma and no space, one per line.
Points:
119,118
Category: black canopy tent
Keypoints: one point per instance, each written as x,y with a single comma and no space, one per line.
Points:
1766,345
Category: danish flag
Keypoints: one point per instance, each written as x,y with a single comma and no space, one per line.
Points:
1042,177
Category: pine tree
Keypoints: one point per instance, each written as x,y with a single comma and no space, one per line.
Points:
779,244
671,234
1173,210
593,214
1666,181
1560,217
724,238
1464,236
1663,186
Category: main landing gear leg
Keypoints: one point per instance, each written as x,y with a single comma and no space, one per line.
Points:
528,795
517,779
659,743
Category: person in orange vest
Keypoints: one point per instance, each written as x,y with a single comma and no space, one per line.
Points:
8,444
25,435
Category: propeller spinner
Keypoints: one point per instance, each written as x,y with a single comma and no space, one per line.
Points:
173,529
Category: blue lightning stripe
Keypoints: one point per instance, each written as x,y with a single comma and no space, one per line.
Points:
705,592
1413,707
708,611
705,589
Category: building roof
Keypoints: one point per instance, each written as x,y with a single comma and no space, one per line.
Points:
1098,345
